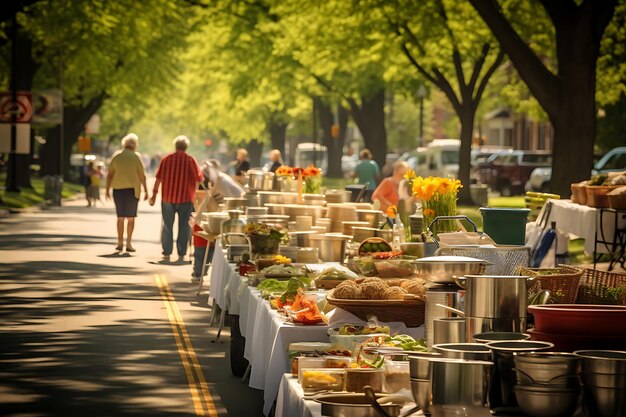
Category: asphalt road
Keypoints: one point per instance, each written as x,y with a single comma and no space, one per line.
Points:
85,332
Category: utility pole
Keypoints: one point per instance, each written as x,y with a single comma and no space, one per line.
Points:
421,94
12,176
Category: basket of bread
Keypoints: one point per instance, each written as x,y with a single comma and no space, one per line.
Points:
392,300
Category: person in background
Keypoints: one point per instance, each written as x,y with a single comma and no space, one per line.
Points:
276,160
93,190
241,165
221,185
126,176
387,191
179,174
87,173
367,172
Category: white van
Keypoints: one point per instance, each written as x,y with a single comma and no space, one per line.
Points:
440,158
311,153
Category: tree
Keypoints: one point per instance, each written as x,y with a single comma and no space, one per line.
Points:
451,50
568,92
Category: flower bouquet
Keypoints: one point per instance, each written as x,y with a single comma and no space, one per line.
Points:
284,178
312,180
265,239
438,196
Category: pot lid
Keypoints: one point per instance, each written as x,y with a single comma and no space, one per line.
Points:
450,258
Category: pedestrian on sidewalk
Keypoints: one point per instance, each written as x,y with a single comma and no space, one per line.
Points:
180,175
387,193
241,165
126,176
367,173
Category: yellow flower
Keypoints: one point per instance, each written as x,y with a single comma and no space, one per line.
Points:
392,211
410,175
429,212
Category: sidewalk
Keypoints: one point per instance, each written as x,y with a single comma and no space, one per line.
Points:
87,333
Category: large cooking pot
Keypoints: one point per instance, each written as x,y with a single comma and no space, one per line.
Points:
460,387
331,246
495,296
353,405
259,180
444,269
214,221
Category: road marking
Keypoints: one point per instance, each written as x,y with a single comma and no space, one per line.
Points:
198,387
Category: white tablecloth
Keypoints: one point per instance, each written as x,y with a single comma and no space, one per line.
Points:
581,221
224,281
291,402
267,343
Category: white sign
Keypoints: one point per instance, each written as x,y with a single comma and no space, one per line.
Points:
23,138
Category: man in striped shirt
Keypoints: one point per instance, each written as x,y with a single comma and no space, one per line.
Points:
179,174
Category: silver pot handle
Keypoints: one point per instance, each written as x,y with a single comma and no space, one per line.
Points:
460,281
225,236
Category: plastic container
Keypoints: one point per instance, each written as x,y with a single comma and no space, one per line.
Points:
357,378
506,226
305,362
323,379
397,376
338,362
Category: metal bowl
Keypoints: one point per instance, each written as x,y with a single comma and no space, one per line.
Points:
468,351
547,402
488,337
551,368
421,393
419,363
603,361
444,269
215,220
352,405
373,217
331,246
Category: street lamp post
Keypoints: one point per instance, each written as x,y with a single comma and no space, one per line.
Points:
421,93
12,176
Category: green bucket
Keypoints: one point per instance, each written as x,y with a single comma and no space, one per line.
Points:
506,226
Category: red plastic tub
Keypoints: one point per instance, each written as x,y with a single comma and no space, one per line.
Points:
579,319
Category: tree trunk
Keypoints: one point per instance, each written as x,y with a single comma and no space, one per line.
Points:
569,96
278,132
255,150
333,145
574,121
49,157
467,133
369,116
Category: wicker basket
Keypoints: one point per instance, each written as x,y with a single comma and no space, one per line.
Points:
601,287
617,202
411,312
579,193
563,286
597,195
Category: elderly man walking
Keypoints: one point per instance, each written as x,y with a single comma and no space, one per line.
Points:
179,174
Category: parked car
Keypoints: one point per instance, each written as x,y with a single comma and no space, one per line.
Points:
439,158
613,160
508,171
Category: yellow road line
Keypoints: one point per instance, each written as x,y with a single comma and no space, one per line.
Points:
202,400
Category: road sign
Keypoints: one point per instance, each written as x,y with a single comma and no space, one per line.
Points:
22,140
22,107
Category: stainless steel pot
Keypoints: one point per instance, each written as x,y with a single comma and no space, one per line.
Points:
487,337
445,269
235,224
352,405
547,402
460,387
604,402
476,325
419,364
449,330
303,238
373,217
446,295
331,246
504,378
468,351
603,361
422,393
259,180
495,296
235,203
215,220
277,197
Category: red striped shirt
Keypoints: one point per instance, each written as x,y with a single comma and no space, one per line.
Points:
179,174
